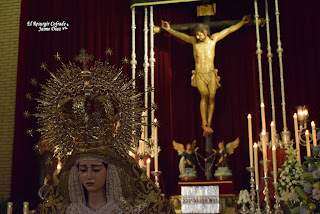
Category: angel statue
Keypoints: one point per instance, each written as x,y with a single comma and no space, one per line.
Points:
222,155
187,164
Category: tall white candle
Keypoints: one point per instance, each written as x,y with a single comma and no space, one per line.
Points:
9,207
308,143
273,136
256,164
274,160
296,132
58,166
264,153
314,134
250,139
142,147
263,116
25,207
155,145
148,167
143,127
140,153
141,142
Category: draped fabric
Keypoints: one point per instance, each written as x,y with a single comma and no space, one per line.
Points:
99,25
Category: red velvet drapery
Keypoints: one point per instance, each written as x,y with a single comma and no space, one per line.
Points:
98,25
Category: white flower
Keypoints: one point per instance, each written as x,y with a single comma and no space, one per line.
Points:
286,169
316,194
293,196
244,197
284,196
316,174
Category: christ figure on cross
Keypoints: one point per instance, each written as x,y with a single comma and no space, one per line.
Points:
205,76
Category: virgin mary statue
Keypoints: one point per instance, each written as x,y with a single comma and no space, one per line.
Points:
91,116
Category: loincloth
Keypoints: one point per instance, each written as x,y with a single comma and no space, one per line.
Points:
206,77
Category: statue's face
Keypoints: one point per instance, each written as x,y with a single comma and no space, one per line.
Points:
93,175
188,146
201,36
221,145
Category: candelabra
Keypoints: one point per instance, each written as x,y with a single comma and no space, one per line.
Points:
302,116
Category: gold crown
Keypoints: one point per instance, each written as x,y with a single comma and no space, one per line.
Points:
83,107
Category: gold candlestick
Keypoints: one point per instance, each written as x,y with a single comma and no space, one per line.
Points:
252,191
266,195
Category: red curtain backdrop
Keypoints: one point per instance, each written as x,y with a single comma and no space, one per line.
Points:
98,25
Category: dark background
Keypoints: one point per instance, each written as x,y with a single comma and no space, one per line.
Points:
98,25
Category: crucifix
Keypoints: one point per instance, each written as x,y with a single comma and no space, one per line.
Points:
205,76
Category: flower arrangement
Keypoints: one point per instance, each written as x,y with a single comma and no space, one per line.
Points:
309,192
291,176
244,199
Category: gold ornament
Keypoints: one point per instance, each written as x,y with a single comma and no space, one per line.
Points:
83,107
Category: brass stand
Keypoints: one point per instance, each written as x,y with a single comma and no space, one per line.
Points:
266,195
277,206
156,175
258,210
252,190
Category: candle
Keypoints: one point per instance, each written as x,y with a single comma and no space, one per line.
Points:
142,147
314,134
256,163
274,160
273,137
308,143
142,126
155,145
58,167
25,207
250,139
263,117
303,113
264,153
9,207
148,167
295,119
131,154
140,153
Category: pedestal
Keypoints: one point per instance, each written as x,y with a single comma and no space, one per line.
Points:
227,198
